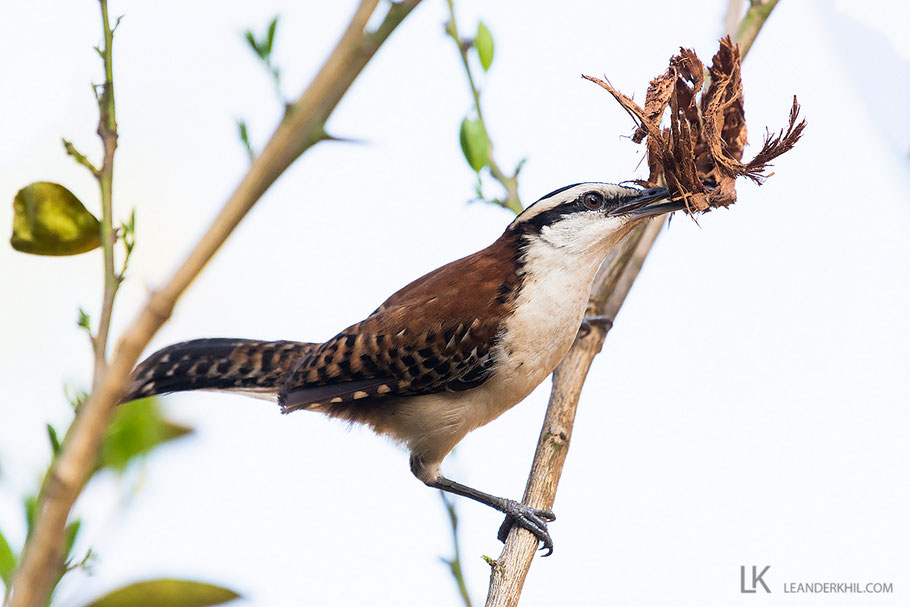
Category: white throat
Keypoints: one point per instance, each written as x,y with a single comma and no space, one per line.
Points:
557,277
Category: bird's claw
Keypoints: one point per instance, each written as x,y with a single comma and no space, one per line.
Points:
589,322
533,519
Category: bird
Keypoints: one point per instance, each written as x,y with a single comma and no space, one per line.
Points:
449,352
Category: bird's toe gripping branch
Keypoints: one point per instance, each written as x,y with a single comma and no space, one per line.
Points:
605,323
533,519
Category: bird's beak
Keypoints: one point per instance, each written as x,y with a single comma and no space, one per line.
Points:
643,205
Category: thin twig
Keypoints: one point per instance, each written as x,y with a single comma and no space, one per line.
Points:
752,23
107,130
302,127
610,288
79,157
455,562
733,16
510,184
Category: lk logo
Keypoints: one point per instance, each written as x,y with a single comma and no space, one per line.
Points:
756,579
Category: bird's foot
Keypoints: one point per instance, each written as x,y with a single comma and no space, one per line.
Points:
533,519
589,322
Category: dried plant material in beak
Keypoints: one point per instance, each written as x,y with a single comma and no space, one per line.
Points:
699,156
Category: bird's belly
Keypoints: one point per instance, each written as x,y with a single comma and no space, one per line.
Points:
433,424
533,340
534,343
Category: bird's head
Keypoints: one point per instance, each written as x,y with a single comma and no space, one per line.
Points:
588,218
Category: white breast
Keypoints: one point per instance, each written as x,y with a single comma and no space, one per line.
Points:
548,312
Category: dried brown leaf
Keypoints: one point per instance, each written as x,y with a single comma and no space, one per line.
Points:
658,96
775,145
699,156
632,108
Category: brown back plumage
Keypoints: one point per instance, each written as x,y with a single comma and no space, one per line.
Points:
437,333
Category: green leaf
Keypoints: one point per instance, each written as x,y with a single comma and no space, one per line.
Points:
128,233
270,37
72,531
519,166
130,226
253,43
31,511
84,321
245,138
55,442
475,144
172,593
7,561
49,220
171,430
74,396
135,430
483,42
478,189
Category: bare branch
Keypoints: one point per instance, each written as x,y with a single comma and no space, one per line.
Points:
752,22
302,127
611,287
733,16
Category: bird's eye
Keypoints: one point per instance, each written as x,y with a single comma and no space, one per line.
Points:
593,201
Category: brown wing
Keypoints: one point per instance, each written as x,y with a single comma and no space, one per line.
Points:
437,333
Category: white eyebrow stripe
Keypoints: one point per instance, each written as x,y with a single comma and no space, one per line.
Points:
609,190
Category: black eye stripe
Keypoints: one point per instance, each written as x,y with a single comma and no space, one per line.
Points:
531,221
550,216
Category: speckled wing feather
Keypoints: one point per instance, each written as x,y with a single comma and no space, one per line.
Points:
438,333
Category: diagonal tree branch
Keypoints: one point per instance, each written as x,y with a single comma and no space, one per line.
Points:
610,289
612,284
302,127
752,22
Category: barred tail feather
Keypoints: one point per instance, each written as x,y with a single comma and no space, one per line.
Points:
233,365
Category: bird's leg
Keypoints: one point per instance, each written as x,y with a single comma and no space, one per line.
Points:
533,519
587,323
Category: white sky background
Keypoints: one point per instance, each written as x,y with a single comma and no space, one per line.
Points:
750,406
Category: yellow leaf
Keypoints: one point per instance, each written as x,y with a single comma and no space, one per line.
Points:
48,219
172,593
